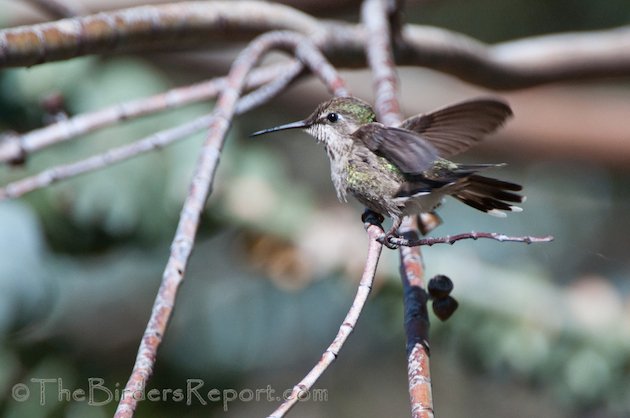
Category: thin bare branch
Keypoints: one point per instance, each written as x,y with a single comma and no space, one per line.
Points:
374,15
509,65
159,27
110,157
349,322
451,239
416,324
199,191
378,49
416,314
152,142
16,147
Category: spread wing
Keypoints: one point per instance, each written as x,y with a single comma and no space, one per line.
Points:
406,150
456,128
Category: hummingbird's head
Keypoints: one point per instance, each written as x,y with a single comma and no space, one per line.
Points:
332,120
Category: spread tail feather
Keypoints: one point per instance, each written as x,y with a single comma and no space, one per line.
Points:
489,195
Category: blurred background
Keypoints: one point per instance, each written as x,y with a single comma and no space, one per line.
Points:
542,330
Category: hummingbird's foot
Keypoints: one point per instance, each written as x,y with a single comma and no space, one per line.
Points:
386,238
371,217
392,234
375,218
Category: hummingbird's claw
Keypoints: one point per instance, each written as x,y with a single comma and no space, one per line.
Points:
369,217
385,239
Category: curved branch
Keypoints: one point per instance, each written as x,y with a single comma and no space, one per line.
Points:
378,50
521,63
200,189
168,26
349,322
380,56
152,142
509,65
15,147
108,158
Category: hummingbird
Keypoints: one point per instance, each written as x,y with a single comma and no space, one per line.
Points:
405,170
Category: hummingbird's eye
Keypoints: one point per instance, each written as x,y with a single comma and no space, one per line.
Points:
332,117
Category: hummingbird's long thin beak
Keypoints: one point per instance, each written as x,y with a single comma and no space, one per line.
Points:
293,125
